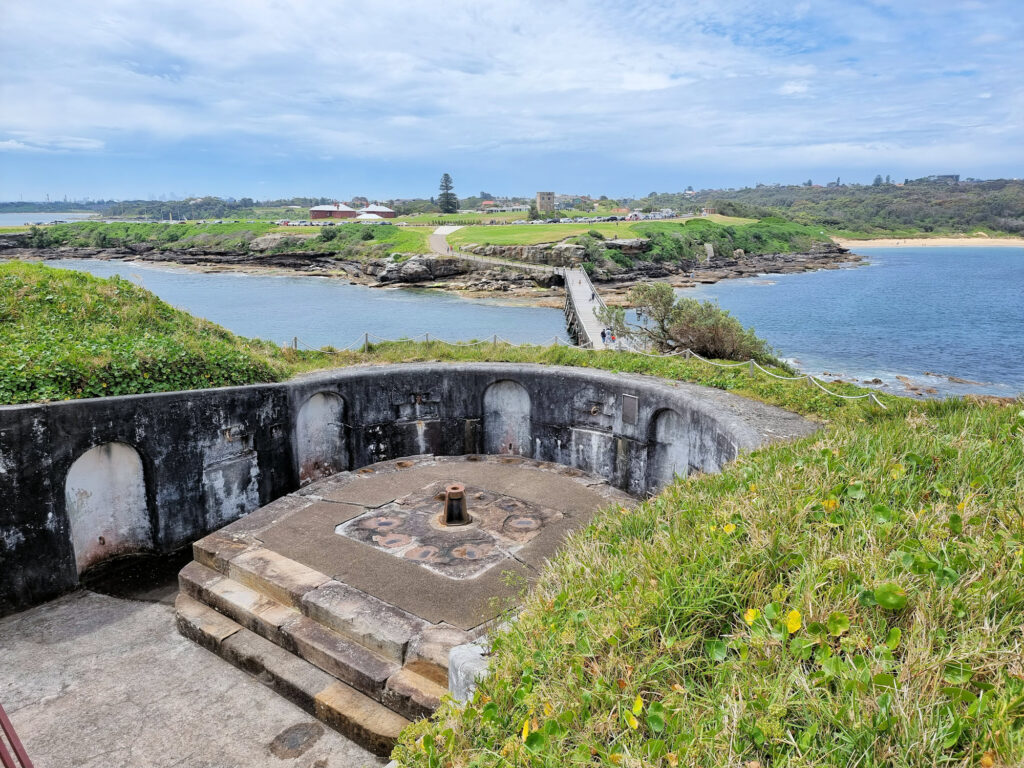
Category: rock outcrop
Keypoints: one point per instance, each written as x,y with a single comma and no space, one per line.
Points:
417,269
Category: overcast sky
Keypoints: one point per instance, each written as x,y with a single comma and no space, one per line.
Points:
124,99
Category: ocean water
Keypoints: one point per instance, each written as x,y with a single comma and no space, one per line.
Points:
19,219
910,312
321,311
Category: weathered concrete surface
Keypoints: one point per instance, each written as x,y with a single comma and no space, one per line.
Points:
509,487
92,681
467,665
105,493
210,456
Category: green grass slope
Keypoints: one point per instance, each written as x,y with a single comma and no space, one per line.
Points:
66,334
855,598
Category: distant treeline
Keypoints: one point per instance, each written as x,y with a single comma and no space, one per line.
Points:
964,207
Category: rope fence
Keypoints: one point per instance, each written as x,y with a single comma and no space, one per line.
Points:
363,343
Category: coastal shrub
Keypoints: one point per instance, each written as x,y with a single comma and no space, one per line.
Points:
595,234
676,323
618,257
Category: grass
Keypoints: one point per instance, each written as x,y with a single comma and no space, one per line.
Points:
66,334
346,239
533,234
855,598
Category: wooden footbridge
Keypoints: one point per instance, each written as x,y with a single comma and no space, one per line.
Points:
582,301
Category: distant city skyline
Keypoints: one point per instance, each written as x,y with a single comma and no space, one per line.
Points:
267,100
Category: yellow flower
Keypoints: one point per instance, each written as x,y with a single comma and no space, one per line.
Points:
526,728
829,504
547,709
728,527
615,757
753,488
750,616
960,507
638,705
793,622
631,721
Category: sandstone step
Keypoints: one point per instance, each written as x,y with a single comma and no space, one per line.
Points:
368,723
428,652
362,719
339,656
201,624
276,576
372,623
350,662
412,695
251,609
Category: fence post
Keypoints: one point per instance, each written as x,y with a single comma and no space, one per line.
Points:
495,339
687,353
428,338
751,367
366,342
295,342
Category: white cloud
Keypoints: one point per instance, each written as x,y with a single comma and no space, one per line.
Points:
408,80
793,87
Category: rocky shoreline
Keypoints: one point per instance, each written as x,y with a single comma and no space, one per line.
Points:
468,278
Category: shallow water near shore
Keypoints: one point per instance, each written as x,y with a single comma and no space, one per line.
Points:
321,311
956,311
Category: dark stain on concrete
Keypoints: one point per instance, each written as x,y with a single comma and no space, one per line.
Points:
295,741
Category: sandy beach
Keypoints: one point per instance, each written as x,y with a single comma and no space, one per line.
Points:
919,242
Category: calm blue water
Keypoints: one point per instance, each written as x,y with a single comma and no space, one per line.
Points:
17,219
955,311
322,311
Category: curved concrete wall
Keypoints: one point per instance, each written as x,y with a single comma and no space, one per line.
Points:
209,456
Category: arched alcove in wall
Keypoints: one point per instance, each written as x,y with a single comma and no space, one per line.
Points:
507,427
320,444
669,449
105,499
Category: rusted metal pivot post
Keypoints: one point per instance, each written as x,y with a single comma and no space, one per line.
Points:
455,512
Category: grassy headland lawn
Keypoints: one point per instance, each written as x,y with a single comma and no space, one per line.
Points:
534,234
352,240
852,598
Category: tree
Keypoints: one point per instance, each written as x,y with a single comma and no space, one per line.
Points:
447,200
878,181
533,213
809,183
674,324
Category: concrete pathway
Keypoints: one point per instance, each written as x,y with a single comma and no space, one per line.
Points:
92,681
439,244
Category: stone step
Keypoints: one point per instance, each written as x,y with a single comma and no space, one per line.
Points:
428,652
367,722
276,576
372,623
412,695
288,628
249,608
348,661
